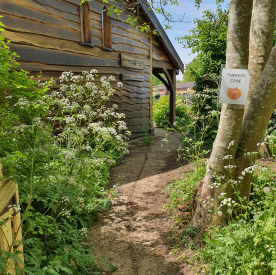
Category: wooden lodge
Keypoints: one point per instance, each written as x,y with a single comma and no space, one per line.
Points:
53,36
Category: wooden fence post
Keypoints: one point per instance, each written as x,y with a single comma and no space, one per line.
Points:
10,223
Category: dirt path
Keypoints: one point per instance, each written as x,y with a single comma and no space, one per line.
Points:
133,234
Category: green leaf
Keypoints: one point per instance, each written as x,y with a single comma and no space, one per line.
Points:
65,269
20,155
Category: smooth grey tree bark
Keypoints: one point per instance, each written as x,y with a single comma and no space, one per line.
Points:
261,42
256,120
237,54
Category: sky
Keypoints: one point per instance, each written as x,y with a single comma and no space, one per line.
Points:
179,29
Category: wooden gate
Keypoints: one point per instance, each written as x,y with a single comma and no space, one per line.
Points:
10,222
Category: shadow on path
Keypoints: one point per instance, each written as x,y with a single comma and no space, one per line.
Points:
133,234
145,161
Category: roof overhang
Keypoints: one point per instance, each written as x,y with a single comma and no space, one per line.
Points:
164,39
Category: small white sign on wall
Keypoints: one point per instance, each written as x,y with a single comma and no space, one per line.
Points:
234,86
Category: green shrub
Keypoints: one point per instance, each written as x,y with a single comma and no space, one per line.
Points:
247,244
181,192
203,105
161,112
58,147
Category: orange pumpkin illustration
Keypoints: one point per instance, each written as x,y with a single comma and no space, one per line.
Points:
234,93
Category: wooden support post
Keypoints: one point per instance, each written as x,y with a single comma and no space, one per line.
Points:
151,87
172,74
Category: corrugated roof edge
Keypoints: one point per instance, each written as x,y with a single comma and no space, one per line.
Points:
164,38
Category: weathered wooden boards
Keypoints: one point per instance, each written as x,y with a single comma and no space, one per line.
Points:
131,61
132,77
10,222
45,34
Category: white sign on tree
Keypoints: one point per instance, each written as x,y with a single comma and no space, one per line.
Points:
234,86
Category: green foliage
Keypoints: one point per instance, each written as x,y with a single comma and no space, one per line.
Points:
190,71
194,124
181,192
247,244
156,81
161,111
147,139
205,105
208,40
58,147
197,128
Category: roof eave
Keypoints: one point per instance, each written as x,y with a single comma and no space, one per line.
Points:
162,36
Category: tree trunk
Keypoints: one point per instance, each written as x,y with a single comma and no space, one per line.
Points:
231,118
261,42
256,120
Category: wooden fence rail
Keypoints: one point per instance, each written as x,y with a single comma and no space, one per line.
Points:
10,223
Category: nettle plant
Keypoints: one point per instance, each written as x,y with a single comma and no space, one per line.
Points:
59,147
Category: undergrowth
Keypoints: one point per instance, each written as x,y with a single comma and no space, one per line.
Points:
246,245
161,112
181,198
58,147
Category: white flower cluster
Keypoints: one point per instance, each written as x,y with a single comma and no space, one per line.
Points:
214,185
231,143
228,157
230,167
214,112
80,204
270,248
84,128
262,143
65,200
66,76
251,154
65,213
22,103
266,190
83,232
227,201
14,207
89,208
122,125
208,203
249,170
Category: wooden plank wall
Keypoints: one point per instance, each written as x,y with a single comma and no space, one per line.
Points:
45,34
